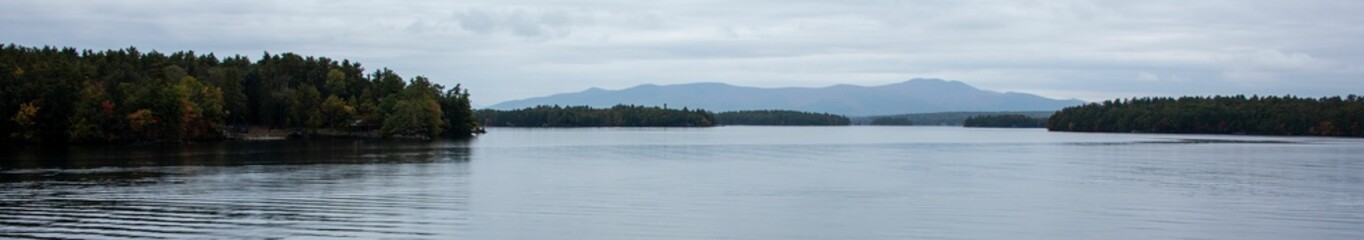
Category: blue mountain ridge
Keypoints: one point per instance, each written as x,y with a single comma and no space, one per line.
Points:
912,96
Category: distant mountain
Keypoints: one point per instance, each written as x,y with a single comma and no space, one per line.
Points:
913,96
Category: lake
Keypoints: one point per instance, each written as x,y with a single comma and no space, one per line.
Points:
698,183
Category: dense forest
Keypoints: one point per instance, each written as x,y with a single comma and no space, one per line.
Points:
1328,116
1005,121
56,95
584,116
780,117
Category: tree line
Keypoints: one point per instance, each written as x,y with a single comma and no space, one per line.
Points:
1260,115
938,118
585,116
891,121
780,117
67,95
1005,121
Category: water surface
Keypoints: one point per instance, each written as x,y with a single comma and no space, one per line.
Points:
698,183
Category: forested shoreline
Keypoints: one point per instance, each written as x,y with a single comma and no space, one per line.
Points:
780,118
585,116
891,121
65,95
1004,121
1255,115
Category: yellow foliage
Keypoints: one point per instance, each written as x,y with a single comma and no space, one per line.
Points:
28,113
27,119
141,119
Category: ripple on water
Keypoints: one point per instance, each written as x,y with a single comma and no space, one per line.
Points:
173,203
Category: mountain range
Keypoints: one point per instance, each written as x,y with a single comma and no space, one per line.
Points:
913,96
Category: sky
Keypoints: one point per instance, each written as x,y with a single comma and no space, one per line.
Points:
512,49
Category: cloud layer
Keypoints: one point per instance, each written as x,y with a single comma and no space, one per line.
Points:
506,50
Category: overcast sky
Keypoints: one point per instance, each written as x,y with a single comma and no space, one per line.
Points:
512,49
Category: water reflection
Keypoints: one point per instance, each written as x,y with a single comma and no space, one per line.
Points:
343,188
235,153
699,183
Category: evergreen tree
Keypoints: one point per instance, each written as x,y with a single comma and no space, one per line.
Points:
59,95
1261,115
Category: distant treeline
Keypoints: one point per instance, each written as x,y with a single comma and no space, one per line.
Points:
1005,121
892,121
938,118
1329,116
584,116
66,95
780,118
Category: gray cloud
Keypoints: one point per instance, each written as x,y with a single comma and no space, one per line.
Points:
531,23
521,48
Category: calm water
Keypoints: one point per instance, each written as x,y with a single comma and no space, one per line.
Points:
701,183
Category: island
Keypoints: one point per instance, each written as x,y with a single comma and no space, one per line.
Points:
1254,115
891,121
1005,121
585,116
65,95
780,118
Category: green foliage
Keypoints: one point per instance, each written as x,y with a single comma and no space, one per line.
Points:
584,116
304,103
336,113
336,81
235,103
201,109
780,117
64,95
1288,115
92,116
458,113
891,121
415,111
27,120
1005,121
154,109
